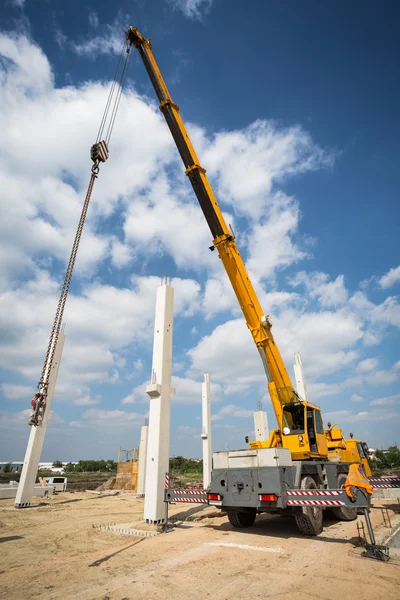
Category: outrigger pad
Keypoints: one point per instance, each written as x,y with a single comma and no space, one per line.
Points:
376,552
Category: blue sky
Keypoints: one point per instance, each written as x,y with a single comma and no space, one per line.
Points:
293,109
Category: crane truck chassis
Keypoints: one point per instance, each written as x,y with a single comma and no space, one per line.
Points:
247,482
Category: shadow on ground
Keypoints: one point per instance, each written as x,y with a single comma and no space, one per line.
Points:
284,528
100,561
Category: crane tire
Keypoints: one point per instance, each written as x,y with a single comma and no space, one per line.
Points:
344,513
310,521
241,519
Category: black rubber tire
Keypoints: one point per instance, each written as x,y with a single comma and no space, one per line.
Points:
310,522
241,519
344,513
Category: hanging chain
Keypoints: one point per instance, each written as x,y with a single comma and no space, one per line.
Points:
39,400
99,153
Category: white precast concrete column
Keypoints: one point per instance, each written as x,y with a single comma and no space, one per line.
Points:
299,377
160,392
206,430
261,430
36,437
142,459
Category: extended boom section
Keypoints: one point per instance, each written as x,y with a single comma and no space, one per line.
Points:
279,382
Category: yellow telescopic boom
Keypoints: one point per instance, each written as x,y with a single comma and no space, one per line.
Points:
279,383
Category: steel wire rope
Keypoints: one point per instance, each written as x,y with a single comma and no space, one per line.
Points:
118,96
110,95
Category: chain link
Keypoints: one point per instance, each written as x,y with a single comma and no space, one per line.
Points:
42,387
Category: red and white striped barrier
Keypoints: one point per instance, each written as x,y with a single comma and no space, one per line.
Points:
313,493
194,500
166,484
385,482
315,503
190,492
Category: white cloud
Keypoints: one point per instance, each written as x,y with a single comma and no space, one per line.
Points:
274,234
396,366
347,416
87,401
218,297
356,398
158,218
187,391
324,339
367,365
329,293
18,3
77,424
16,423
388,401
246,163
111,421
95,331
320,389
93,19
138,365
162,221
231,410
386,313
121,254
382,378
43,202
229,349
17,392
192,9
108,41
337,416
390,278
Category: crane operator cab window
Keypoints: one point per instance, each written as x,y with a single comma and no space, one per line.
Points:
311,429
298,419
293,418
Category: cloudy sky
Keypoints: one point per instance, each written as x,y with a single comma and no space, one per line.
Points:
294,113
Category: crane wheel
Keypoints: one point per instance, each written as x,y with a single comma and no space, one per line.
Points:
310,521
241,519
344,513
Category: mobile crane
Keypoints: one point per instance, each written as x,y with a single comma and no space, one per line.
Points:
299,454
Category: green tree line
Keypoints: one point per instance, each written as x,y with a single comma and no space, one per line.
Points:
388,460
87,466
183,466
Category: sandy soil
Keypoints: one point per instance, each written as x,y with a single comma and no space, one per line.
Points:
54,552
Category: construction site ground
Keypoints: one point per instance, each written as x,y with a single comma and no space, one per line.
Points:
57,551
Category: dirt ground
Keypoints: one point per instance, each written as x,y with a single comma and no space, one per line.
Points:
54,552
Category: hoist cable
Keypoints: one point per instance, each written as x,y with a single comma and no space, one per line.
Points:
110,95
118,97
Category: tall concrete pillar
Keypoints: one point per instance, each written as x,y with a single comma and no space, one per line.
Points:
261,426
299,377
36,437
142,459
206,431
160,392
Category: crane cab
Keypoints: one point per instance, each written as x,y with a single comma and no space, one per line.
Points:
303,430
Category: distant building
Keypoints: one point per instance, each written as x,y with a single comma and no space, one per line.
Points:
16,466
